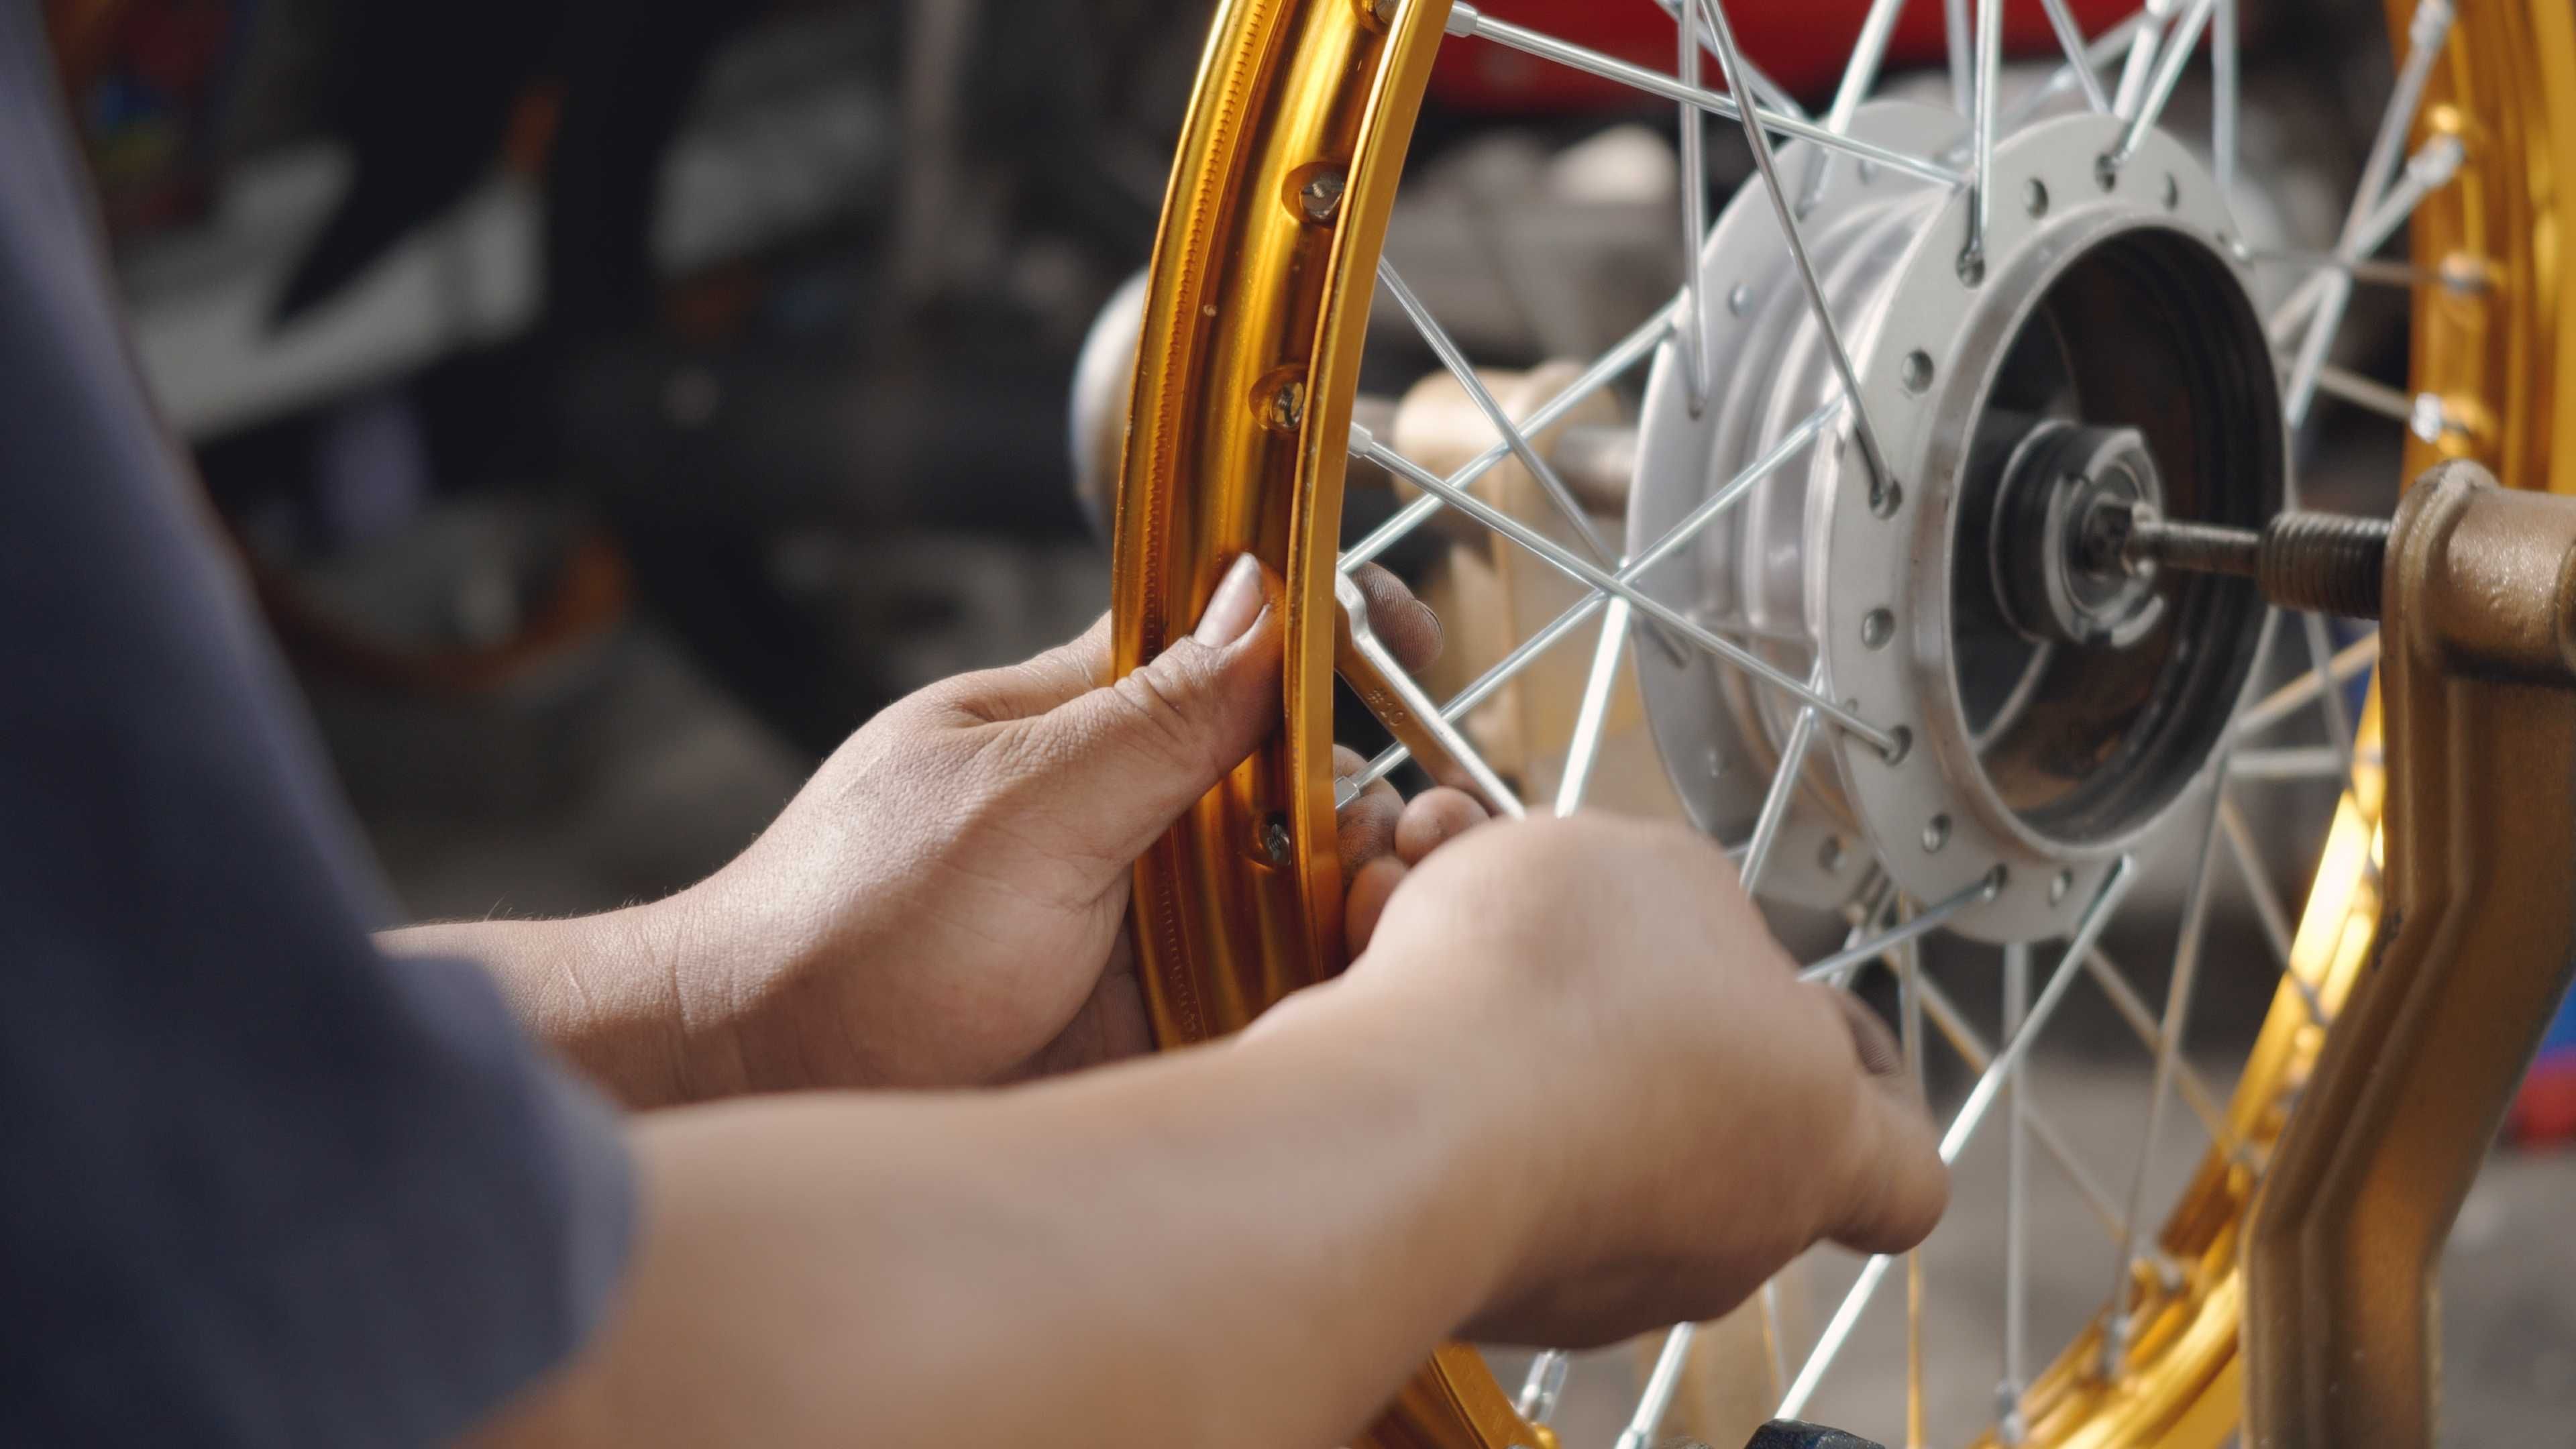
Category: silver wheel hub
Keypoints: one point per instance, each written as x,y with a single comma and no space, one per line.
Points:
2054,709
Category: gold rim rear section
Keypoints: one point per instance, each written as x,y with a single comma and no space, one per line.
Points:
1247,369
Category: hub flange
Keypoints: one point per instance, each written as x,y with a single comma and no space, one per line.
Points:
2056,708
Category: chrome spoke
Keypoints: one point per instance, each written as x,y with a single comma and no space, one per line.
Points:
2350,662
2307,762
1963,1124
2079,64
1972,1049
1636,347
1660,1385
1557,557
2363,270
2226,98
2424,38
2178,995
2169,67
1775,803
1921,924
1860,75
2277,930
1765,90
1456,361
1584,750
1838,1330
1909,974
2429,169
1873,917
1694,328
1772,1347
2368,394
1544,1385
2141,61
1467,20
2132,1007
1958,42
2105,48
1981,191
1673,540
2017,1207
1729,59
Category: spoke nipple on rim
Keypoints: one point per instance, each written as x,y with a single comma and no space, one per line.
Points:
2115,1345
1321,197
2428,419
2008,1421
1285,406
2465,274
1275,841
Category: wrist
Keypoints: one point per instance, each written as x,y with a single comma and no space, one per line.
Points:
676,1029
605,991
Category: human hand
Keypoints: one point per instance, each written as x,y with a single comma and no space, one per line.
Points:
944,902
1692,1115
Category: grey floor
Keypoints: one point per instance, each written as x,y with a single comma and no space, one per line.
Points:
621,774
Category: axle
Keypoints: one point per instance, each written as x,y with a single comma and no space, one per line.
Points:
2325,562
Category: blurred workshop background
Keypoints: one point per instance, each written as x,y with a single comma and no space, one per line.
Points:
616,401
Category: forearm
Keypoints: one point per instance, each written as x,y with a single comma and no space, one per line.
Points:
1246,1244
605,990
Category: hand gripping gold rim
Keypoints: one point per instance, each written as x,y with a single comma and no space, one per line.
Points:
1248,364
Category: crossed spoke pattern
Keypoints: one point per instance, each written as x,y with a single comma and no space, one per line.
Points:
2150,51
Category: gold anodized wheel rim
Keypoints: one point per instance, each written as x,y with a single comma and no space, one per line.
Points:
1247,370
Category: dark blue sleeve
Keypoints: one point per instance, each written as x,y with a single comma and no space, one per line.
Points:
257,1185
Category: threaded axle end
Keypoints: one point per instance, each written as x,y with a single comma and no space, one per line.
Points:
2327,562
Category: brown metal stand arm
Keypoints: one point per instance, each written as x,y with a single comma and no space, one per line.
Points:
2478,933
